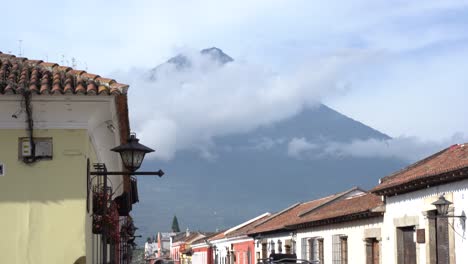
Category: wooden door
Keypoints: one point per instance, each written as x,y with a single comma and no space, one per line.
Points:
442,241
406,245
372,251
375,252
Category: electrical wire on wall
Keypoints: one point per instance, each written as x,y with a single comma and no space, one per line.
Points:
26,103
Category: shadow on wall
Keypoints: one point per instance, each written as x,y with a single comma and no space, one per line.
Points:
80,260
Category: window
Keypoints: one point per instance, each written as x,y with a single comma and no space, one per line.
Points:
304,248
287,246
315,249
340,249
280,246
264,250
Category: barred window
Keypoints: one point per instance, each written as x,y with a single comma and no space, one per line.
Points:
304,248
340,249
315,250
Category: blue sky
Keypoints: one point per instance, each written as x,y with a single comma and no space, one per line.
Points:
411,79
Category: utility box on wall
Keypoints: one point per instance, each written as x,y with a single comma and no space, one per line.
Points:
43,148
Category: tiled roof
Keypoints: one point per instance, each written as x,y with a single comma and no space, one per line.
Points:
203,239
18,74
245,229
451,159
359,204
190,238
279,220
219,235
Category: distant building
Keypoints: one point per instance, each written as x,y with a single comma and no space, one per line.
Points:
181,251
164,244
234,246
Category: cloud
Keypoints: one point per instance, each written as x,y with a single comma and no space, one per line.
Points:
298,146
409,149
185,109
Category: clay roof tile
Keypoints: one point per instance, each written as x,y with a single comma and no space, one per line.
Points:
48,77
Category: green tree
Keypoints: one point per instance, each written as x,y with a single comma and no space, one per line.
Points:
175,224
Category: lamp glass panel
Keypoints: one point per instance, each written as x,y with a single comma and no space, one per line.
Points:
443,209
127,158
137,159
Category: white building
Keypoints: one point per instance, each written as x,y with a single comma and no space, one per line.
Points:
411,231
279,234
346,231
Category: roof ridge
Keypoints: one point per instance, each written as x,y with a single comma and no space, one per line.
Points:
246,223
337,196
277,214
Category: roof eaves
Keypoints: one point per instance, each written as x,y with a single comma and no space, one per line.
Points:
422,183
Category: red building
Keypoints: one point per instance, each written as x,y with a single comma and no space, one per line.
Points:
202,252
181,246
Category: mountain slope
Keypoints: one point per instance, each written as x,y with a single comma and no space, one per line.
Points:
250,173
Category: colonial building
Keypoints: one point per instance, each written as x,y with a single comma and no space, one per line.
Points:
341,232
55,123
234,246
181,246
413,230
164,244
203,250
274,235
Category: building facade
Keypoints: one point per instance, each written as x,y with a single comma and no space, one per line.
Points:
346,231
54,124
413,232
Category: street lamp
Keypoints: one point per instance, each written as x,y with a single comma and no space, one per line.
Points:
442,205
132,153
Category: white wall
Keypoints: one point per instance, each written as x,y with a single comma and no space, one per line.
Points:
407,210
356,231
223,245
272,237
199,258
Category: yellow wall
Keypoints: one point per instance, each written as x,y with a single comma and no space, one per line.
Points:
43,206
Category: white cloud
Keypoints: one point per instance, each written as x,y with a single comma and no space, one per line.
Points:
410,149
266,143
186,109
298,147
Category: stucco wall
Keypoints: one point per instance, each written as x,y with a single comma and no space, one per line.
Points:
201,255
245,253
408,209
283,236
356,231
43,208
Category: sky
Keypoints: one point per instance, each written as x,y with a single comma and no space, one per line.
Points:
397,66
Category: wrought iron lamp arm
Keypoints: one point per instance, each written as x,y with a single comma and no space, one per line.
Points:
159,173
